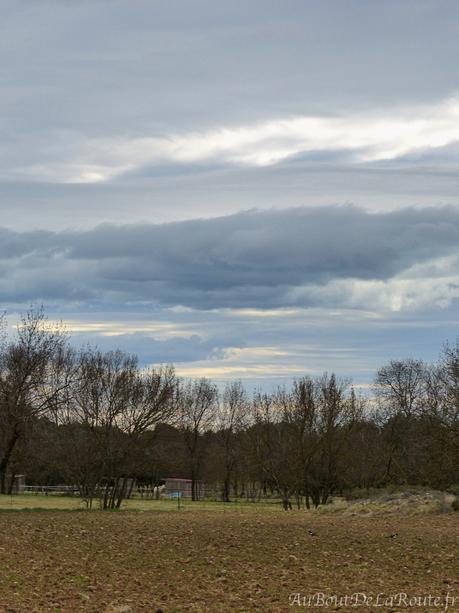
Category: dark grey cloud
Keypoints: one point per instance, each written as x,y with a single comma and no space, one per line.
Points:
26,206
254,258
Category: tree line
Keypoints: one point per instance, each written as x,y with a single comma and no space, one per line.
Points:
94,420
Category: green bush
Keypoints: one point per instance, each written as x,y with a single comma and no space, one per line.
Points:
360,493
453,489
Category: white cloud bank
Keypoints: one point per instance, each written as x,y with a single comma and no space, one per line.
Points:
372,137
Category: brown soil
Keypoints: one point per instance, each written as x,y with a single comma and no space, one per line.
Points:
232,561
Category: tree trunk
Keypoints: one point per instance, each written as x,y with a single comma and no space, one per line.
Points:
193,484
226,488
11,484
106,494
6,460
122,491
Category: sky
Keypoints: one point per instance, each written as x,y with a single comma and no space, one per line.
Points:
254,190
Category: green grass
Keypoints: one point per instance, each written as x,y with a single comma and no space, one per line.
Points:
37,502
414,503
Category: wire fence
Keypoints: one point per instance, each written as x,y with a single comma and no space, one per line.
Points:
59,490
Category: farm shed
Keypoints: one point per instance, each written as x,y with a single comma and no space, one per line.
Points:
173,486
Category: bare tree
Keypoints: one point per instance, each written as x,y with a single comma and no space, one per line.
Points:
300,413
198,402
271,444
338,414
112,405
401,385
441,410
448,375
32,379
400,389
232,419
299,437
91,419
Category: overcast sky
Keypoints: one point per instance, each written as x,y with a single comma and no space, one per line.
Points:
252,189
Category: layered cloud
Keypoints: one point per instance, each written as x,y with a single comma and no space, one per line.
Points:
143,113
328,256
410,134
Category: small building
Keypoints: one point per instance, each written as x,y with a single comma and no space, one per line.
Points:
18,485
174,487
